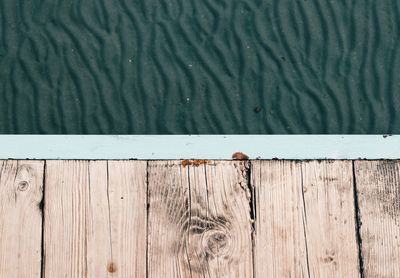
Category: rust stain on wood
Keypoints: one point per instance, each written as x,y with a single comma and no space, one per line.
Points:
304,212
111,267
194,162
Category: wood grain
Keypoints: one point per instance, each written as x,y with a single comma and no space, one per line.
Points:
193,218
378,187
20,218
330,218
128,213
304,219
199,220
95,219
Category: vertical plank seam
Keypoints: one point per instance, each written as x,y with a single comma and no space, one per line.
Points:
252,204
147,216
252,199
304,219
357,215
41,208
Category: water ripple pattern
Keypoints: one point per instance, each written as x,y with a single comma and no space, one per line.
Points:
199,66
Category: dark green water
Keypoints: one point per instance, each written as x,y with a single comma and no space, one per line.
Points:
199,66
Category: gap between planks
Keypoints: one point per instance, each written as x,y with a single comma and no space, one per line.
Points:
257,182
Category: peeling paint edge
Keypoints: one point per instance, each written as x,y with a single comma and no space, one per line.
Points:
156,147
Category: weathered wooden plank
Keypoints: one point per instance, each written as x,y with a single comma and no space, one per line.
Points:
330,218
67,203
378,187
128,212
280,247
95,219
21,189
199,220
305,221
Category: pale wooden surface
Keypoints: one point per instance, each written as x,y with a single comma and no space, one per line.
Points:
67,234
280,246
330,218
128,212
305,219
95,219
378,185
199,220
20,218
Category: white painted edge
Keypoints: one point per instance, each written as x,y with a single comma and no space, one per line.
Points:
199,146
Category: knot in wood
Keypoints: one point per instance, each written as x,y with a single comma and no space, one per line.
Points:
23,185
216,243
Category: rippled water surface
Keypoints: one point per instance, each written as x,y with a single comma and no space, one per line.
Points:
199,66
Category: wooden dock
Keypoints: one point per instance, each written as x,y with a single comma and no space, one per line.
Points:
191,218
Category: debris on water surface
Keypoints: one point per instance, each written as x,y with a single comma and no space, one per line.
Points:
257,109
